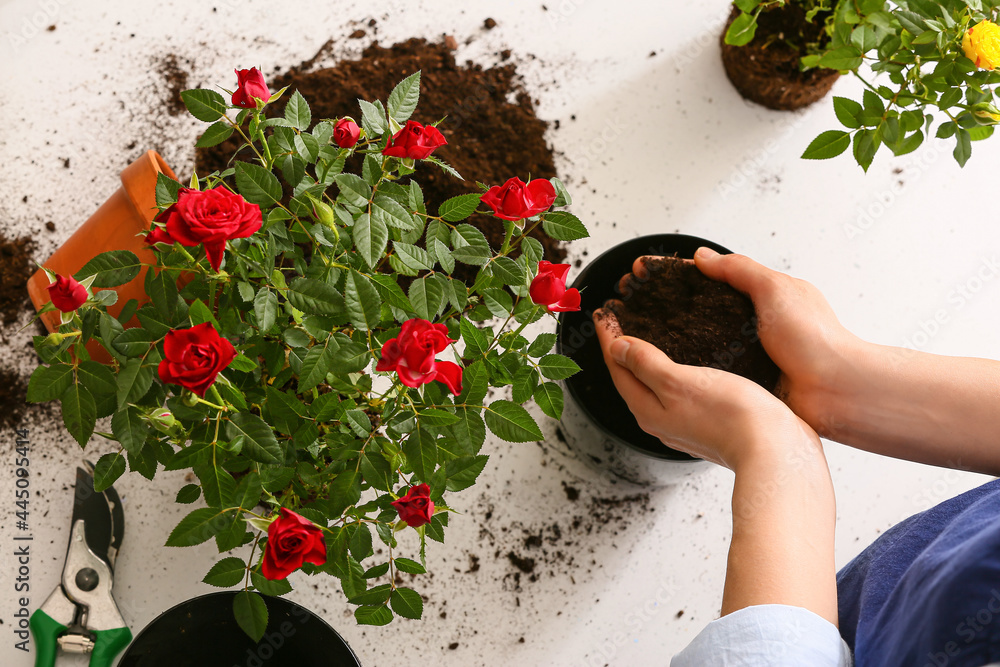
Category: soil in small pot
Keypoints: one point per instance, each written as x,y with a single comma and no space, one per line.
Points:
491,126
766,70
695,320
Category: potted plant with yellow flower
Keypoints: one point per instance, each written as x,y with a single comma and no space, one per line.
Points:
305,350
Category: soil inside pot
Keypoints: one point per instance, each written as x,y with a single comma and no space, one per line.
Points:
695,320
491,126
767,70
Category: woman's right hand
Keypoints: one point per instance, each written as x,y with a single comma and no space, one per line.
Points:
799,331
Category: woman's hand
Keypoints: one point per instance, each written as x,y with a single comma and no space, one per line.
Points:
706,412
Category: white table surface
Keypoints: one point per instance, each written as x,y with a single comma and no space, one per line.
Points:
680,151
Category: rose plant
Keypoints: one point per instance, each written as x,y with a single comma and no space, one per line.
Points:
921,62
306,351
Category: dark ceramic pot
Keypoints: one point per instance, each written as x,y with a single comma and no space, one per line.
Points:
203,632
597,421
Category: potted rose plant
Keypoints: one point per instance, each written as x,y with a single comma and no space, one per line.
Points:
922,63
305,351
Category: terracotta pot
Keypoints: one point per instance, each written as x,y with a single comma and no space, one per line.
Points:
116,225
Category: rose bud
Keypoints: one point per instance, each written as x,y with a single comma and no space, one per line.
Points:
986,113
549,288
415,508
411,356
193,357
67,293
415,141
346,133
981,44
515,200
210,218
250,85
291,540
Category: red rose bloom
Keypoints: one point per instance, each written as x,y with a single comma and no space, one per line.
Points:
291,540
159,234
415,508
415,141
346,133
67,293
411,355
211,217
193,357
250,84
549,288
515,200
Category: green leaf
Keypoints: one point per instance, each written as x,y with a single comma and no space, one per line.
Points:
510,422
217,485
48,383
107,470
112,268
242,363
199,313
421,453
391,213
79,413
477,341
404,97
436,417
259,442
227,572
257,184
426,297
344,491
373,118
129,428
557,367
564,226
269,587
133,342
371,237
459,208
866,143
542,344
413,256
297,112
848,112
134,380
265,307
846,57
407,603
742,30
391,292
963,147
364,307
251,613
205,105
318,362
315,296
248,492
463,471
827,145
214,135
549,397
373,615
199,526
353,190
409,566
96,377
188,494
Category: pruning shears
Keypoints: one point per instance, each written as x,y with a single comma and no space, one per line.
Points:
81,616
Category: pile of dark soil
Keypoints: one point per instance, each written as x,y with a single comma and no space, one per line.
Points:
695,320
767,70
176,80
491,127
13,403
15,269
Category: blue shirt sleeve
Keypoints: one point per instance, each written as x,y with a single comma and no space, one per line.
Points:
771,635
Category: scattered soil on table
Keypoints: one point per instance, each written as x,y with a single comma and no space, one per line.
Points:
15,269
13,390
695,320
491,126
176,80
767,69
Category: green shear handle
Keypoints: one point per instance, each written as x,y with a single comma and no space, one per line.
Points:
46,630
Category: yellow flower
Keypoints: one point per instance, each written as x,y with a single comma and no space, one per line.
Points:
982,44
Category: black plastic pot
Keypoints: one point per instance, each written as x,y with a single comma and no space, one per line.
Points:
203,631
597,420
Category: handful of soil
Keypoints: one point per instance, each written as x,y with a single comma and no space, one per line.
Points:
695,320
